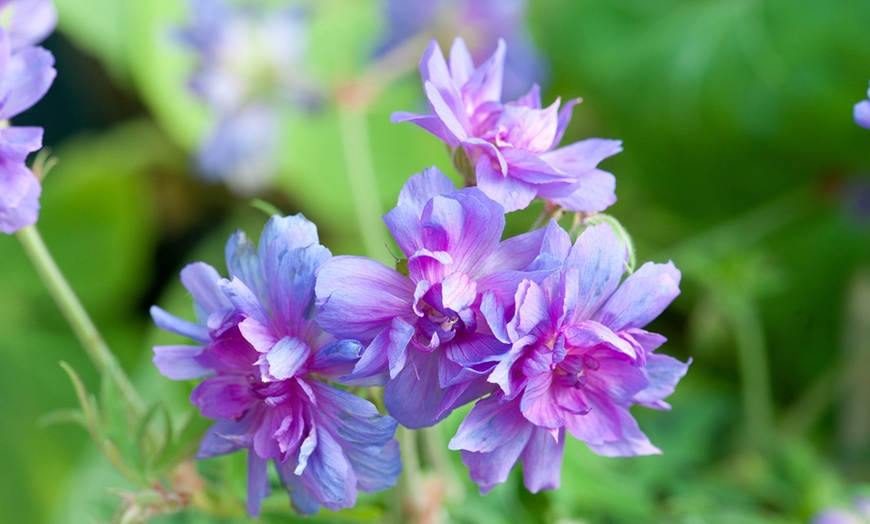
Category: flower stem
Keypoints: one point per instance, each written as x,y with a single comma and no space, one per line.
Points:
75,314
363,182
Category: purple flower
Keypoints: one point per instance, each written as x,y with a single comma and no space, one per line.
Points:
28,22
250,61
264,358
479,22
579,359
861,112
859,514
422,326
511,148
25,76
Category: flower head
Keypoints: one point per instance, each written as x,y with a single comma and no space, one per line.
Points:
249,68
512,147
422,326
265,360
25,76
861,112
579,359
480,22
28,22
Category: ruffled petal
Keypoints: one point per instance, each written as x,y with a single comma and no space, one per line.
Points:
359,297
542,460
641,298
663,372
599,259
258,483
414,395
511,193
223,396
201,280
29,73
179,362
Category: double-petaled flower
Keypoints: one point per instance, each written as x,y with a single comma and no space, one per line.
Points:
579,359
509,150
266,360
425,335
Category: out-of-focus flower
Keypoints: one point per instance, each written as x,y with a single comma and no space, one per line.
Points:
509,150
250,67
861,112
422,326
859,514
480,22
579,359
28,22
25,76
266,359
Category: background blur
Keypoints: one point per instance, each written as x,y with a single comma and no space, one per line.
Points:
742,164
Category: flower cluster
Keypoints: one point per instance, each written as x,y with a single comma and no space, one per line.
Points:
266,360
541,329
26,73
249,67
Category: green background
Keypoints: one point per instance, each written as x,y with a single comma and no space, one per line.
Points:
742,164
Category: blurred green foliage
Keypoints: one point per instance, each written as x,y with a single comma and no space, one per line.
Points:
741,159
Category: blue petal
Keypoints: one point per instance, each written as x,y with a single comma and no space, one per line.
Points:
179,362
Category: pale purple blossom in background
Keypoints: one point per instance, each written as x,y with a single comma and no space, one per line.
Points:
28,22
579,359
858,514
250,68
424,332
480,23
265,358
25,76
511,147
861,112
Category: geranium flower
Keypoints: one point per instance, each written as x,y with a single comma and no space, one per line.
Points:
25,76
424,332
579,359
266,360
249,68
509,150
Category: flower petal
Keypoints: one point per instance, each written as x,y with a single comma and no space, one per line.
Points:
641,298
542,460
359,297
179,362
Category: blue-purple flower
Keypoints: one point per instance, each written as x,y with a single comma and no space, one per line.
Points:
25,76
479,22
861,112
579,359
422,326
28,22
250,67
509,150
266,359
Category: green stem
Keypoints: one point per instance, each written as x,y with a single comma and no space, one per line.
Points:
75,314
754,370
411,502
363,182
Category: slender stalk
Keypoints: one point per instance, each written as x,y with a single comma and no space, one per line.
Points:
75,314
754,370
363,183
410,481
